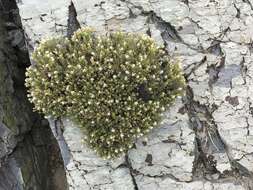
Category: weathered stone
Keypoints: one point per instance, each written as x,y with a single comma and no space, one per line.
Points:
207,136
29,155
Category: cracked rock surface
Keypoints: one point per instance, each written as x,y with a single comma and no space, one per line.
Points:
206,140
29,154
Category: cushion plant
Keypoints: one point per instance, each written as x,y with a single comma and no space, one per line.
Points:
114,86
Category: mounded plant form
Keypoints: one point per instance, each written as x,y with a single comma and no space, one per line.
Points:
115,86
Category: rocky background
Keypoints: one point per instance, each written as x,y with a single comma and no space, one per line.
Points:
29,154
205,141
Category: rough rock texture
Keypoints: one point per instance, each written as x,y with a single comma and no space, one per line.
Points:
206,140
29,154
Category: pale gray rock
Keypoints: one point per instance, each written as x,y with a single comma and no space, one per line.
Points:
206,139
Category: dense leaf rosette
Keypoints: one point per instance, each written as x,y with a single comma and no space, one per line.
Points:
115,86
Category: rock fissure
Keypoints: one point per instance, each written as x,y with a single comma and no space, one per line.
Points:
129,166
212,39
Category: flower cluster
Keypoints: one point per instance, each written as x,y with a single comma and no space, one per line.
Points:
115,86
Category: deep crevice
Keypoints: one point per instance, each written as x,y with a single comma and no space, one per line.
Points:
213,72
73,23
33,159
131,170
207,138
168,31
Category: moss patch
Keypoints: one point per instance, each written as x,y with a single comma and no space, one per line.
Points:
115,86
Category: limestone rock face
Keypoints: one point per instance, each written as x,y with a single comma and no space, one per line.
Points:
29,154
206,140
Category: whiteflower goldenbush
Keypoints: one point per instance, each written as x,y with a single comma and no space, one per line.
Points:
114,86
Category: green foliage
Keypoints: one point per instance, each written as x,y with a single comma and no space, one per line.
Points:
115,86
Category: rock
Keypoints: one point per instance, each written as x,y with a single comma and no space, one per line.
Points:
212,137
29,155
